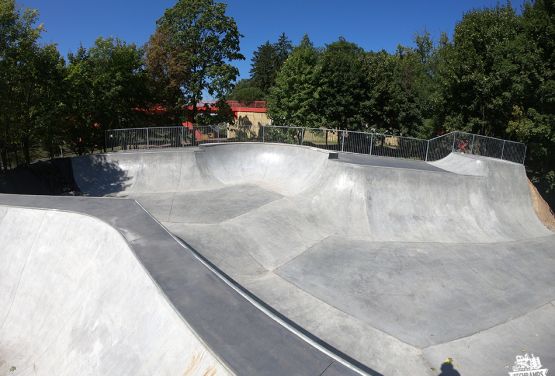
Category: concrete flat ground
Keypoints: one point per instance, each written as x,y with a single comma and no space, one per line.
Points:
369,160
398,264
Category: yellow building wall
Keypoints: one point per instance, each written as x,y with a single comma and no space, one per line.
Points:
249,122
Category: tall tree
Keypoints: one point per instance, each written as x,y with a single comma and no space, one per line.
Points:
485,71
24,76
40,95
267,60
107,84
342,83
264,66
191,51
246,91
533,117
293,99
283,48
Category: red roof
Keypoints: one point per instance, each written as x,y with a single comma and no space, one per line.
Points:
236,106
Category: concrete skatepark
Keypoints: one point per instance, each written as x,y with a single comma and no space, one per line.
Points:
252,259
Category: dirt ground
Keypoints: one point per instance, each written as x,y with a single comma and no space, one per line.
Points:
542,209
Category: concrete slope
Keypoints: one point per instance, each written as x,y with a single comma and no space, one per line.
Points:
75,301
485,200
392,262
247,336
125,173
286,169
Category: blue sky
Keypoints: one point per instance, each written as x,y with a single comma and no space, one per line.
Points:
374,25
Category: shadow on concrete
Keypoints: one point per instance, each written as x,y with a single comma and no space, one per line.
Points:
447,369
98,176
51,177
92,175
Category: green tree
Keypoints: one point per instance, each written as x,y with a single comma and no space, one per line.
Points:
30,81
283,48
266,62
107,84
379,110
293,99
216,113
264,66
246,91
191,51
485,71
533,117
42,94
342,85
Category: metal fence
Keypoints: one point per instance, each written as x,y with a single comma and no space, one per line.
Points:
469,143
377,144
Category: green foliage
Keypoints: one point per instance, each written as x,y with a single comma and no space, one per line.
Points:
30,83
283,48
264,66
106,85
267,60
191,51
533,120
246,91
283,135
393,105
218,113
293,99
487,69
342,85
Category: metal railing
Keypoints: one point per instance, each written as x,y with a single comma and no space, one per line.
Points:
440,147
377,144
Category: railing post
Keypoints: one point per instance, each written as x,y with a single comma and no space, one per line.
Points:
427,150
503,149
371,142
454,139
342,139
147,140
472,144
181,143
302,135
263,130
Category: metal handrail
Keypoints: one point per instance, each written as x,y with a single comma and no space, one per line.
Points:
372,143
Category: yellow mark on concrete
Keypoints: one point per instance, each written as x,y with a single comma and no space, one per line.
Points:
195,366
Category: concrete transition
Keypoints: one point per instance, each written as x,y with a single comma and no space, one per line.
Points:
364,264
71,287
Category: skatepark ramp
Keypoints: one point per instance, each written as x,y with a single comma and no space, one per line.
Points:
75,300
275,254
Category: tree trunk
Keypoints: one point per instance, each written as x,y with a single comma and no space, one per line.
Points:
193,123
4,159
194,111
26,152
16,157
50,141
